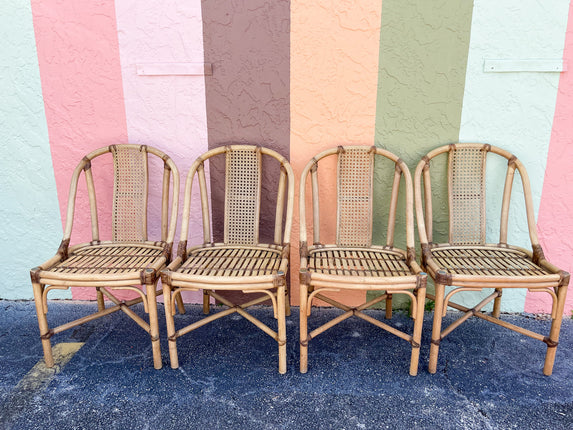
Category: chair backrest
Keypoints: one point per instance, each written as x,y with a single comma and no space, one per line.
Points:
243,173
466,176
130,193
355,193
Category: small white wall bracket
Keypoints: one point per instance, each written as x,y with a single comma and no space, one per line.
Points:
531,65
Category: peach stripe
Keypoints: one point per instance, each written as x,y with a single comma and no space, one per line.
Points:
334,76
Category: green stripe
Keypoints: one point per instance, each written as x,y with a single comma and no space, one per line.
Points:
422,69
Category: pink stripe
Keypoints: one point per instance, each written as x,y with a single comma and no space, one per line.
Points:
80,72
164,111
555,220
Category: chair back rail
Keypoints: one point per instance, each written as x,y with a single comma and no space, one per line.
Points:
355,173
466,194
130,193
243,177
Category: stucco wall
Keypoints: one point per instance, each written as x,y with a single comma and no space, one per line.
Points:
298,76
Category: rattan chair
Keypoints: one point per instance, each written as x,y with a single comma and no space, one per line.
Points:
466,261
126,261
240,262
353,263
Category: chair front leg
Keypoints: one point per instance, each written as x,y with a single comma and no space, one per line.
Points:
154,324
173,358
281,293
436,327
303,329
418,322
553,339
43,324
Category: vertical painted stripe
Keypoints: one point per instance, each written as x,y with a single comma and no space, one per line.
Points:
423,56
81,82
334,69
247,42
167,112
31,226
512,110
555,222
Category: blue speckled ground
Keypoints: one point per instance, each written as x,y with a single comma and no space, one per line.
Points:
487,377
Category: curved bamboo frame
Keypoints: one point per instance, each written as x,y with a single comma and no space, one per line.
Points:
47,276
271,285
315,285
488,276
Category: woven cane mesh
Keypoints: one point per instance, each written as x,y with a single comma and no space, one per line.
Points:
242,196
129,195
487,262
228,261
467,196
346,262
354,223
112,259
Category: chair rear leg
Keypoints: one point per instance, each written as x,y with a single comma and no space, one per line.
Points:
554,332
303,327
436,327
388,306
497,303
206,302
154,325
43,324
100,300
174,360
180,304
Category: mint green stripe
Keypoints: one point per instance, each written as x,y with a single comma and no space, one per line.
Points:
422,69
30,223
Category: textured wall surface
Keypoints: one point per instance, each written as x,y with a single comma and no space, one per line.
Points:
334,68
555,221
423,55
29,212
512,110
83,95
298,76
165,111
247,42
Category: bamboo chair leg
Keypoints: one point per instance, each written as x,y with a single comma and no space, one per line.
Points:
417,335
180,305
43,324
303,328
174,360
100,300
287,302
497,304
436,328
554,332
206,304
281,329
388,306
154,325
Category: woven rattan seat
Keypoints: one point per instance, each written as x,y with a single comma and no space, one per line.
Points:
466,262
352,262
126,261
242,262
